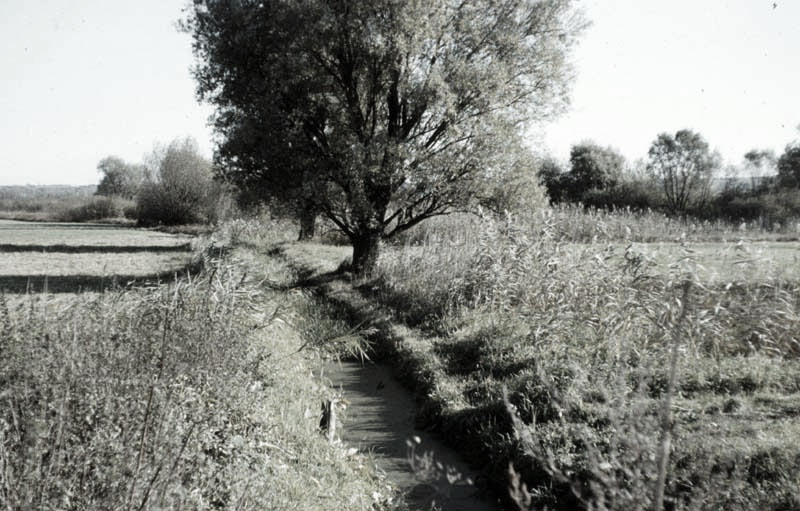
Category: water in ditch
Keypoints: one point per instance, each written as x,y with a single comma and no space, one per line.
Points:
379,418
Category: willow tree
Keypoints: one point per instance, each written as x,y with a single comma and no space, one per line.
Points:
683,164
379,113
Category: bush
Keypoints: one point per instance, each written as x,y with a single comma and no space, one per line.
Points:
771,210
516,192
179,189
93,209
631,195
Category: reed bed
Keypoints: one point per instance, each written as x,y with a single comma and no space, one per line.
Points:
562,323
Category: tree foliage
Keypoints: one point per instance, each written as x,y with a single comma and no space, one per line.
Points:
789,166
382,112
593,167
514,186
120,178
683,165
554,178
760,165
179,188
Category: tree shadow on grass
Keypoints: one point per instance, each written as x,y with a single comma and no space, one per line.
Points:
16,284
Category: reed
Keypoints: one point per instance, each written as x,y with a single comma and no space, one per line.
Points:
605,363
194,394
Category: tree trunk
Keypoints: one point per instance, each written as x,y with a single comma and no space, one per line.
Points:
366,248
308,223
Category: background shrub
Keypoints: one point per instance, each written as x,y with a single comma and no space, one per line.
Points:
93,209
770,210
179,187
633,195
119,177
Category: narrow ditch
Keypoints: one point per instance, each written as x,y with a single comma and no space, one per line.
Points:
380,413
379,419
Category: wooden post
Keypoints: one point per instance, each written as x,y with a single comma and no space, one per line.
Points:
327,424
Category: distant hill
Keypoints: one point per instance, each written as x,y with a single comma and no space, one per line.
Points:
46,191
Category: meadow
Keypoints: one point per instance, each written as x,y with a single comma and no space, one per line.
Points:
190,391
72,256
572,352
580,339
565,353
25,234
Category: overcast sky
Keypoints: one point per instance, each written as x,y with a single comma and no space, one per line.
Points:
84,79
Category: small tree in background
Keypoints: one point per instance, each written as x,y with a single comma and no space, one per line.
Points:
593,168
789,166
179,188
683,165
120,179
554,179
760,166
513,184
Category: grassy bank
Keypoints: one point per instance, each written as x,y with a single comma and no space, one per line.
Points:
574,328
194,395
580,338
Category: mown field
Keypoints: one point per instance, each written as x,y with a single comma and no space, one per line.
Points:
81,235
72,257
193,390
556,343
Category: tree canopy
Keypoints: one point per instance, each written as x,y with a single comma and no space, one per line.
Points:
683,165
177,187
384,112
119,177
789,166
594,167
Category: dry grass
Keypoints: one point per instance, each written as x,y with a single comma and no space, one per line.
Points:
34,264
71,204
193,395
84,235
72,257
578,336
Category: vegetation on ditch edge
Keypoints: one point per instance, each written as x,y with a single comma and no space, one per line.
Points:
193,395
578,336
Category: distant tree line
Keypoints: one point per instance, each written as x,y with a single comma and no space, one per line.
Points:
682,177
22,192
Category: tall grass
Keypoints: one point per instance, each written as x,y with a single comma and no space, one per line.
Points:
577,329
104,396
191,395
578,224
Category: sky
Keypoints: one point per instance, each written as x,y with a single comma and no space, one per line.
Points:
727,69
84,79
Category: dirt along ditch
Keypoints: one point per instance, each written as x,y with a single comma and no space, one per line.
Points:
379,419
